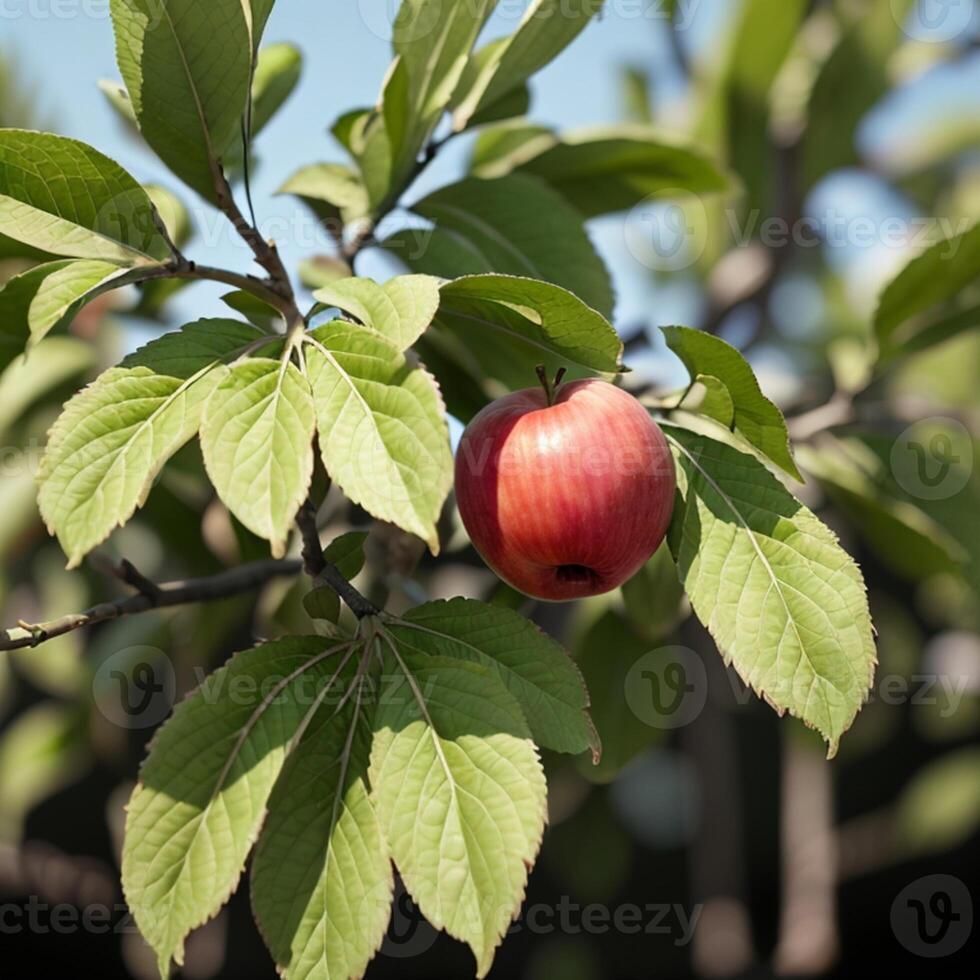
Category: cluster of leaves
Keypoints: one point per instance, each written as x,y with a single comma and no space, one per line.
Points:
417,744
413,742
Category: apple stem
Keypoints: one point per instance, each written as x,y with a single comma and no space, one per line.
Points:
550,388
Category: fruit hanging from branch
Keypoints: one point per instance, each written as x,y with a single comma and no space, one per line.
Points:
566,489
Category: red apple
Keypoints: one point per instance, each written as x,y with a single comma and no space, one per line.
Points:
565,492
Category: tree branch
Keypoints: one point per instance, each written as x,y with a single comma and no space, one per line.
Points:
183,268
323,572
365,236
151,596
266,253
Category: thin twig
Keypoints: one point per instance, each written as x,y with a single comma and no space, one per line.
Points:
324,572
208,589
365,235
127,572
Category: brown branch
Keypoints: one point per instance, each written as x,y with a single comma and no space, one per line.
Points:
324,572
223,585
183,268
265,252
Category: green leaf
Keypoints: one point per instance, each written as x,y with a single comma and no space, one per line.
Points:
66,198
433,42
203,788
653,596
606,655
611,169
321,270
65,358
935,277
257,441
940,806
937,332
460,794
65,289
113,438
758,419
504,65
41,751
535,669
321,879
383,433
188,68
173,213
852,80
401,309
255,310
50,295
463,385
785,604
117,97
346,552
764,35
16,297
514,225
514,104
331,190
710,396
257,13
500,149
907,539
504,325
277,73
636,95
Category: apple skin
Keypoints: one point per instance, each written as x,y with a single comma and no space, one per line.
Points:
565,500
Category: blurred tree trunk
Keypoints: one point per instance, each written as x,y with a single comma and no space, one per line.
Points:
808,939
